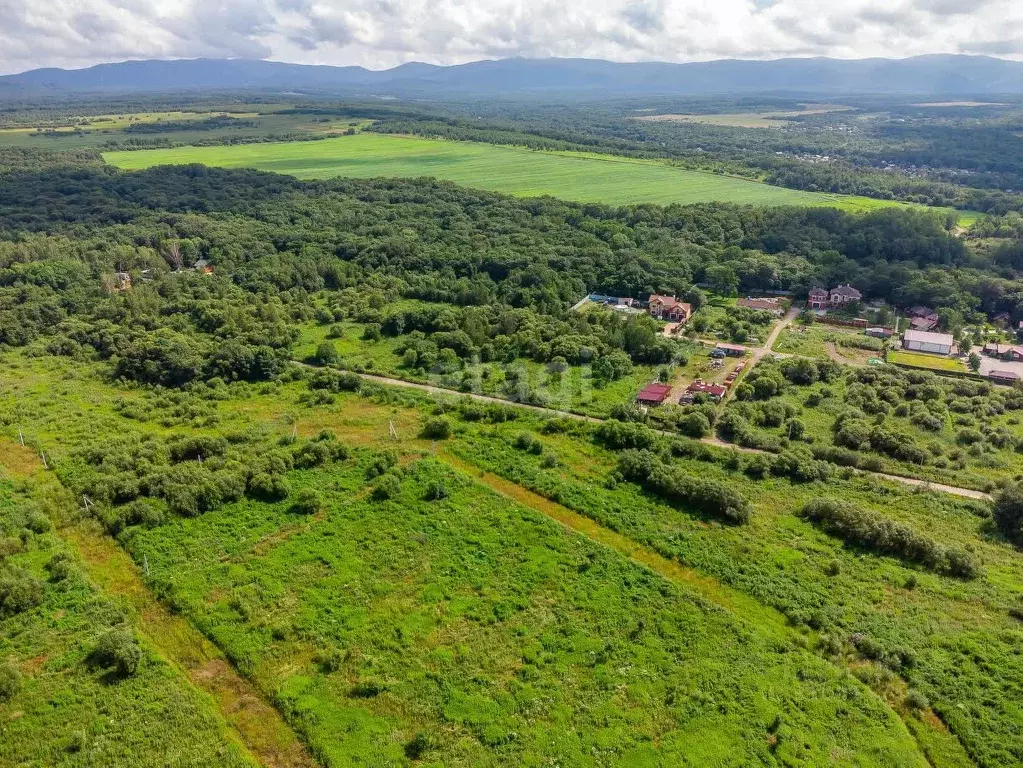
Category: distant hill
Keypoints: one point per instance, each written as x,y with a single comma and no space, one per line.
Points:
937,75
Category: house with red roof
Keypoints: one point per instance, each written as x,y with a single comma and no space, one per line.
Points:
653,394
669,308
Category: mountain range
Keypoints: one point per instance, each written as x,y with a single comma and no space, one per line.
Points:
933,75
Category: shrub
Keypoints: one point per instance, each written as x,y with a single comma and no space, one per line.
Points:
873,531
694,425
387,487
916,700
118,649
320,451
418,746
268,486
307,502
436,491
10,681
335,381
19,591
709,496
437,428
618,434
326,354
61,567
1008,513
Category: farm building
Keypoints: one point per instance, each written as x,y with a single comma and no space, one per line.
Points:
922,323
203,267
1003,377
932,343
653,394
731,350
879,332
1002,318
669,308
920,311
764,305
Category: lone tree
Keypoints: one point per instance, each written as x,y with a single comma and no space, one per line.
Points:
1008,513
974,362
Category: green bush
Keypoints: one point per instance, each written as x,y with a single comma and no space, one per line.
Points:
307,502
387,487
1008,513
19,591
326,354
118,649
437,428
10,681
672,483
268,486
863,528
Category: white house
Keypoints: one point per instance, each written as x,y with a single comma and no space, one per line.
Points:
925,341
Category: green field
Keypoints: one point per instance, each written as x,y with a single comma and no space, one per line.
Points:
931,362
516,171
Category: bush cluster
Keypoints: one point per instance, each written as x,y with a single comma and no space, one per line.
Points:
672,483
867,529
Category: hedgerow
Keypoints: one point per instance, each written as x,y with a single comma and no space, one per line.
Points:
873,531
659,477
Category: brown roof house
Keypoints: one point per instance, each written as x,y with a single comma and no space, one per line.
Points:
669,308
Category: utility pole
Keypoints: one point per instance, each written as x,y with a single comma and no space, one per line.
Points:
391,430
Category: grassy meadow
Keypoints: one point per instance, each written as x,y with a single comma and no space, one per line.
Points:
512,170
455,621
66,710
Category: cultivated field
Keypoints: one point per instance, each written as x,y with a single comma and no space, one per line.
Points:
516,171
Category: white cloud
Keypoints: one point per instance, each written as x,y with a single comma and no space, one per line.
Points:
383,33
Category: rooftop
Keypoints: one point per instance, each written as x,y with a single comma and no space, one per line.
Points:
654,392
928,337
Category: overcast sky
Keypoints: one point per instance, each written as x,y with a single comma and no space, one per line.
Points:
383,33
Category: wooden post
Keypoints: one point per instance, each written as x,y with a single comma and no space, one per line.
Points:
393,432
145,564
21,437
43,457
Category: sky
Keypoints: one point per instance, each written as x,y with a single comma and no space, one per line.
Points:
383,33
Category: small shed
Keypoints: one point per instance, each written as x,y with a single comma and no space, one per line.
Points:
653,394
732,350
1003,377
